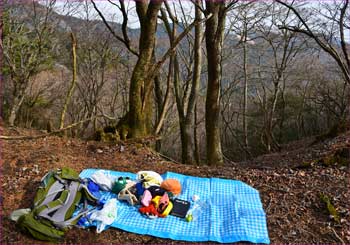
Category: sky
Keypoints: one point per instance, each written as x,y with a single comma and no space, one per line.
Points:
112,13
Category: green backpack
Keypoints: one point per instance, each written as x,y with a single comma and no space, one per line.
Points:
57,197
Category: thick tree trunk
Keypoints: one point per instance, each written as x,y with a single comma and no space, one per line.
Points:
140,106
214,38
186,143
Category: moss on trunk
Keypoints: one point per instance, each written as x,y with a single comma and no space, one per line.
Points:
140,106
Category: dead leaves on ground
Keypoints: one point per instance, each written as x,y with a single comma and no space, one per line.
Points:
290,196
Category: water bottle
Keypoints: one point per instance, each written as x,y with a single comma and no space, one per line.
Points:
197,210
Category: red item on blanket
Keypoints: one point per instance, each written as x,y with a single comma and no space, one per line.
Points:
150,210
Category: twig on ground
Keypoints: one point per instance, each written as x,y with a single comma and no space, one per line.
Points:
168,158
269,205
337,236
312,234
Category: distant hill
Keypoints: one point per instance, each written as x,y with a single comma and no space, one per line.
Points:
65,24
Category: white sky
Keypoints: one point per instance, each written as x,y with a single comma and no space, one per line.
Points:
112,13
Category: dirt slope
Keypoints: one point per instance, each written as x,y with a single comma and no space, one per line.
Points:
295,212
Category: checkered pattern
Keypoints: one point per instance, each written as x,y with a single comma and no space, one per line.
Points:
235,212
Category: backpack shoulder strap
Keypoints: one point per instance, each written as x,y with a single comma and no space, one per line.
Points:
63,207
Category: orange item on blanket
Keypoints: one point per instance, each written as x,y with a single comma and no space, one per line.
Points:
172,185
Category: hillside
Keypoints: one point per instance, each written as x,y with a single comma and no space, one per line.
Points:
290,194
64,24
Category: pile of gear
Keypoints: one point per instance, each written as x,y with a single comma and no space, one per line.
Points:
149,190
64,200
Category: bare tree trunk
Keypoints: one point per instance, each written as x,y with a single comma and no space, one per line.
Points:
195,137
186,101
271,113
159,102
163,105
188,147
17,102
74,80
197,68
214,38
185,128
140,105
245,96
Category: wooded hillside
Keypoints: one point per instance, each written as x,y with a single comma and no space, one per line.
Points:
271,74
241,90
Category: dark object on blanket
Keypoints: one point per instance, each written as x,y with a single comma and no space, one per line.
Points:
59,193
156,191
180,207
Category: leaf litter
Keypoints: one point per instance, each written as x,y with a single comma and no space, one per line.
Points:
291,195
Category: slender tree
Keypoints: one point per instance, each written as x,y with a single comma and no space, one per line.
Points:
186,99
74,80
214,35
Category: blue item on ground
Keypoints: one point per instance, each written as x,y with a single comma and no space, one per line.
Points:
139,189
94,188
235,212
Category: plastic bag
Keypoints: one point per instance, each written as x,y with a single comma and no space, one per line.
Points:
105,216
197,210
103,179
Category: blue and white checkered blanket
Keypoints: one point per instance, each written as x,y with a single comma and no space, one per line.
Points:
235,212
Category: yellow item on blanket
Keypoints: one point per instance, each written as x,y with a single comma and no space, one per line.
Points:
168,208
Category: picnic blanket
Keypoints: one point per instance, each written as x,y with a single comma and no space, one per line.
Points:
234,213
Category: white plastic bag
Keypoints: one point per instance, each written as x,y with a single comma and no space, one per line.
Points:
106,215
104,180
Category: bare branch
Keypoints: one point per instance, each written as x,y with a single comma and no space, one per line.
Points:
341,29
124,40
31,137
177,40
327,47
230,5
171,16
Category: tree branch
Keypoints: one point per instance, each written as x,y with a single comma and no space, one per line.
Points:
31,137
124,40
177,40
341,30
155,68
327,47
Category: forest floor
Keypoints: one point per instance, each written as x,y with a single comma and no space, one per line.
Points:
290,191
